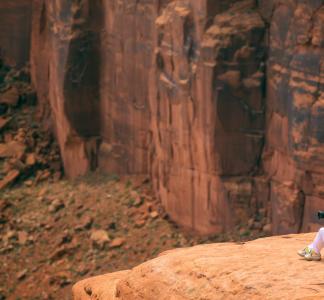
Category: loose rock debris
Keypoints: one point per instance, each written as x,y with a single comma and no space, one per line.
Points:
28,153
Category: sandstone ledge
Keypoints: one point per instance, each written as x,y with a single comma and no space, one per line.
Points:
262,269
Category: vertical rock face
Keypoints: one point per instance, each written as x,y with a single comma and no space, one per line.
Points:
294,138
91,61
220,101
39,56
15,28
127,51
66,36
208,111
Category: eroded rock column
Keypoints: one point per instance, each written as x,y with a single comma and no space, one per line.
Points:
65,67
208,113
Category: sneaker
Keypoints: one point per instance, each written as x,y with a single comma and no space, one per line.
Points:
312,255
303,252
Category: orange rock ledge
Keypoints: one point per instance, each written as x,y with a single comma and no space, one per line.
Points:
266,268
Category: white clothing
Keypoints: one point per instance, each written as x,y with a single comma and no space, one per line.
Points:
318,243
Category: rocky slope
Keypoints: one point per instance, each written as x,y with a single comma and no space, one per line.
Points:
28,152
263,269
53,234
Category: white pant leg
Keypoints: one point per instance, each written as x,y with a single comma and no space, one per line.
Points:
318,243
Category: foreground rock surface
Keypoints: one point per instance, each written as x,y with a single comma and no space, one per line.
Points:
262,269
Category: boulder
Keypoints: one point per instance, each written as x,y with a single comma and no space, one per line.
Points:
10,97
9,179
99,238
4,122
12,149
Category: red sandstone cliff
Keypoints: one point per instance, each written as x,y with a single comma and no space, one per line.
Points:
219,101
293,156
207,112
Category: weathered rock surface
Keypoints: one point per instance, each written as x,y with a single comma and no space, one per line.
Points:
219,101
100,114
100,287
15,29
208,107
293,155
127,57
262,269
66,74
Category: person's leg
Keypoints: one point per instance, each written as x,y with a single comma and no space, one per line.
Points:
318,244
313,251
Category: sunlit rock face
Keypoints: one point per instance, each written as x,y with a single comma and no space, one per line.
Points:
15,28
218,101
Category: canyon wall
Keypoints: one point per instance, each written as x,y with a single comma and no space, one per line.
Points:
65,64
293,156
219,101
91,61
15,25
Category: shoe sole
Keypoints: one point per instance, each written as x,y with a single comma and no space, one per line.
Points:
313,259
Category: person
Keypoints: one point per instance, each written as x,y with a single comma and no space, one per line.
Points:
313,251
